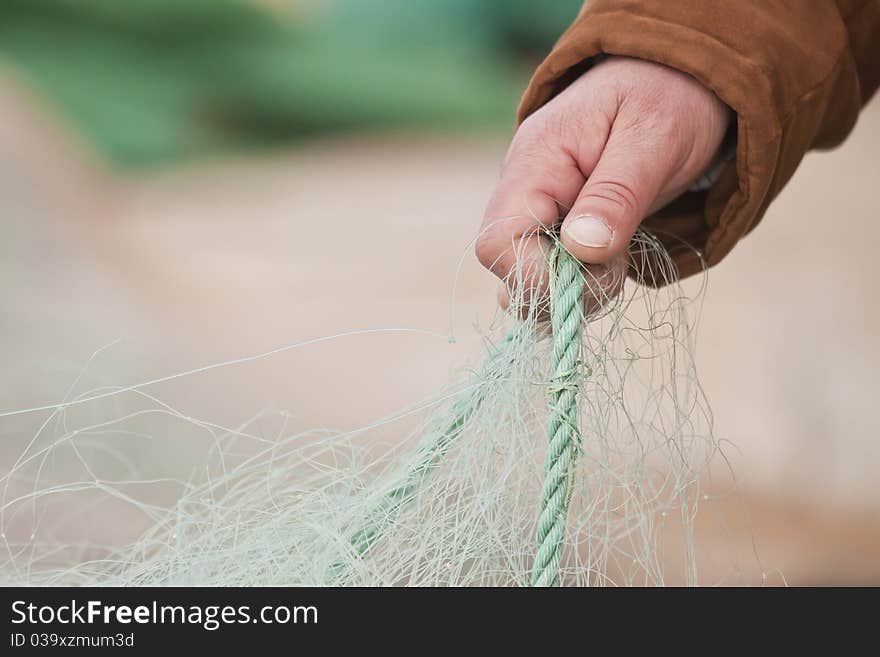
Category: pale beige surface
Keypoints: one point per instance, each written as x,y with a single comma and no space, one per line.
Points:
220,261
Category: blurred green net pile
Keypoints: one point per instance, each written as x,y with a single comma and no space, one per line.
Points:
151,81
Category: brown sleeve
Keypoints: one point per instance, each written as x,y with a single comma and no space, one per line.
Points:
795,73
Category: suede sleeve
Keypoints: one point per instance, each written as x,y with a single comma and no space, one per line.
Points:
796,72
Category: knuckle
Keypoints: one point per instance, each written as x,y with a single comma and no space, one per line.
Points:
649,100
486,250
659,118
535,141
532,124
525,151
617,193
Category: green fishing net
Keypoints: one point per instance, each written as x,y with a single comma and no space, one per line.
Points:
571,452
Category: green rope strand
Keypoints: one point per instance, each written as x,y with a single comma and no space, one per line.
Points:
566,316
463,409
567,285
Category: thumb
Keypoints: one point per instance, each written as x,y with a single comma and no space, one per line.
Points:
618,194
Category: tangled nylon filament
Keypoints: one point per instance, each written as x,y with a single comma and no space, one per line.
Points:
454,504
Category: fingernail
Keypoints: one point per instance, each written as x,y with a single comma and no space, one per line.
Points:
589,231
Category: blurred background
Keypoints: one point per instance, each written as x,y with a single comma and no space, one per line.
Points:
183,183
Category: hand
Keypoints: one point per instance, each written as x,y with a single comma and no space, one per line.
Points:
623,140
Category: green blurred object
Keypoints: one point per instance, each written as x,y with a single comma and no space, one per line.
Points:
152,81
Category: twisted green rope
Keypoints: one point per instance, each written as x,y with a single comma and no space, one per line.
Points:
567,285
566,299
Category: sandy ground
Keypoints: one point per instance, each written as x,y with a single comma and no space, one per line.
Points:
214,262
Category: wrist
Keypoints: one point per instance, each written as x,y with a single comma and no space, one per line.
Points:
726,153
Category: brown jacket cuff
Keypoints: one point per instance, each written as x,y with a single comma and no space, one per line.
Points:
790,79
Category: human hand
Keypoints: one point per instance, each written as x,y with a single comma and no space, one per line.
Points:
619,143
